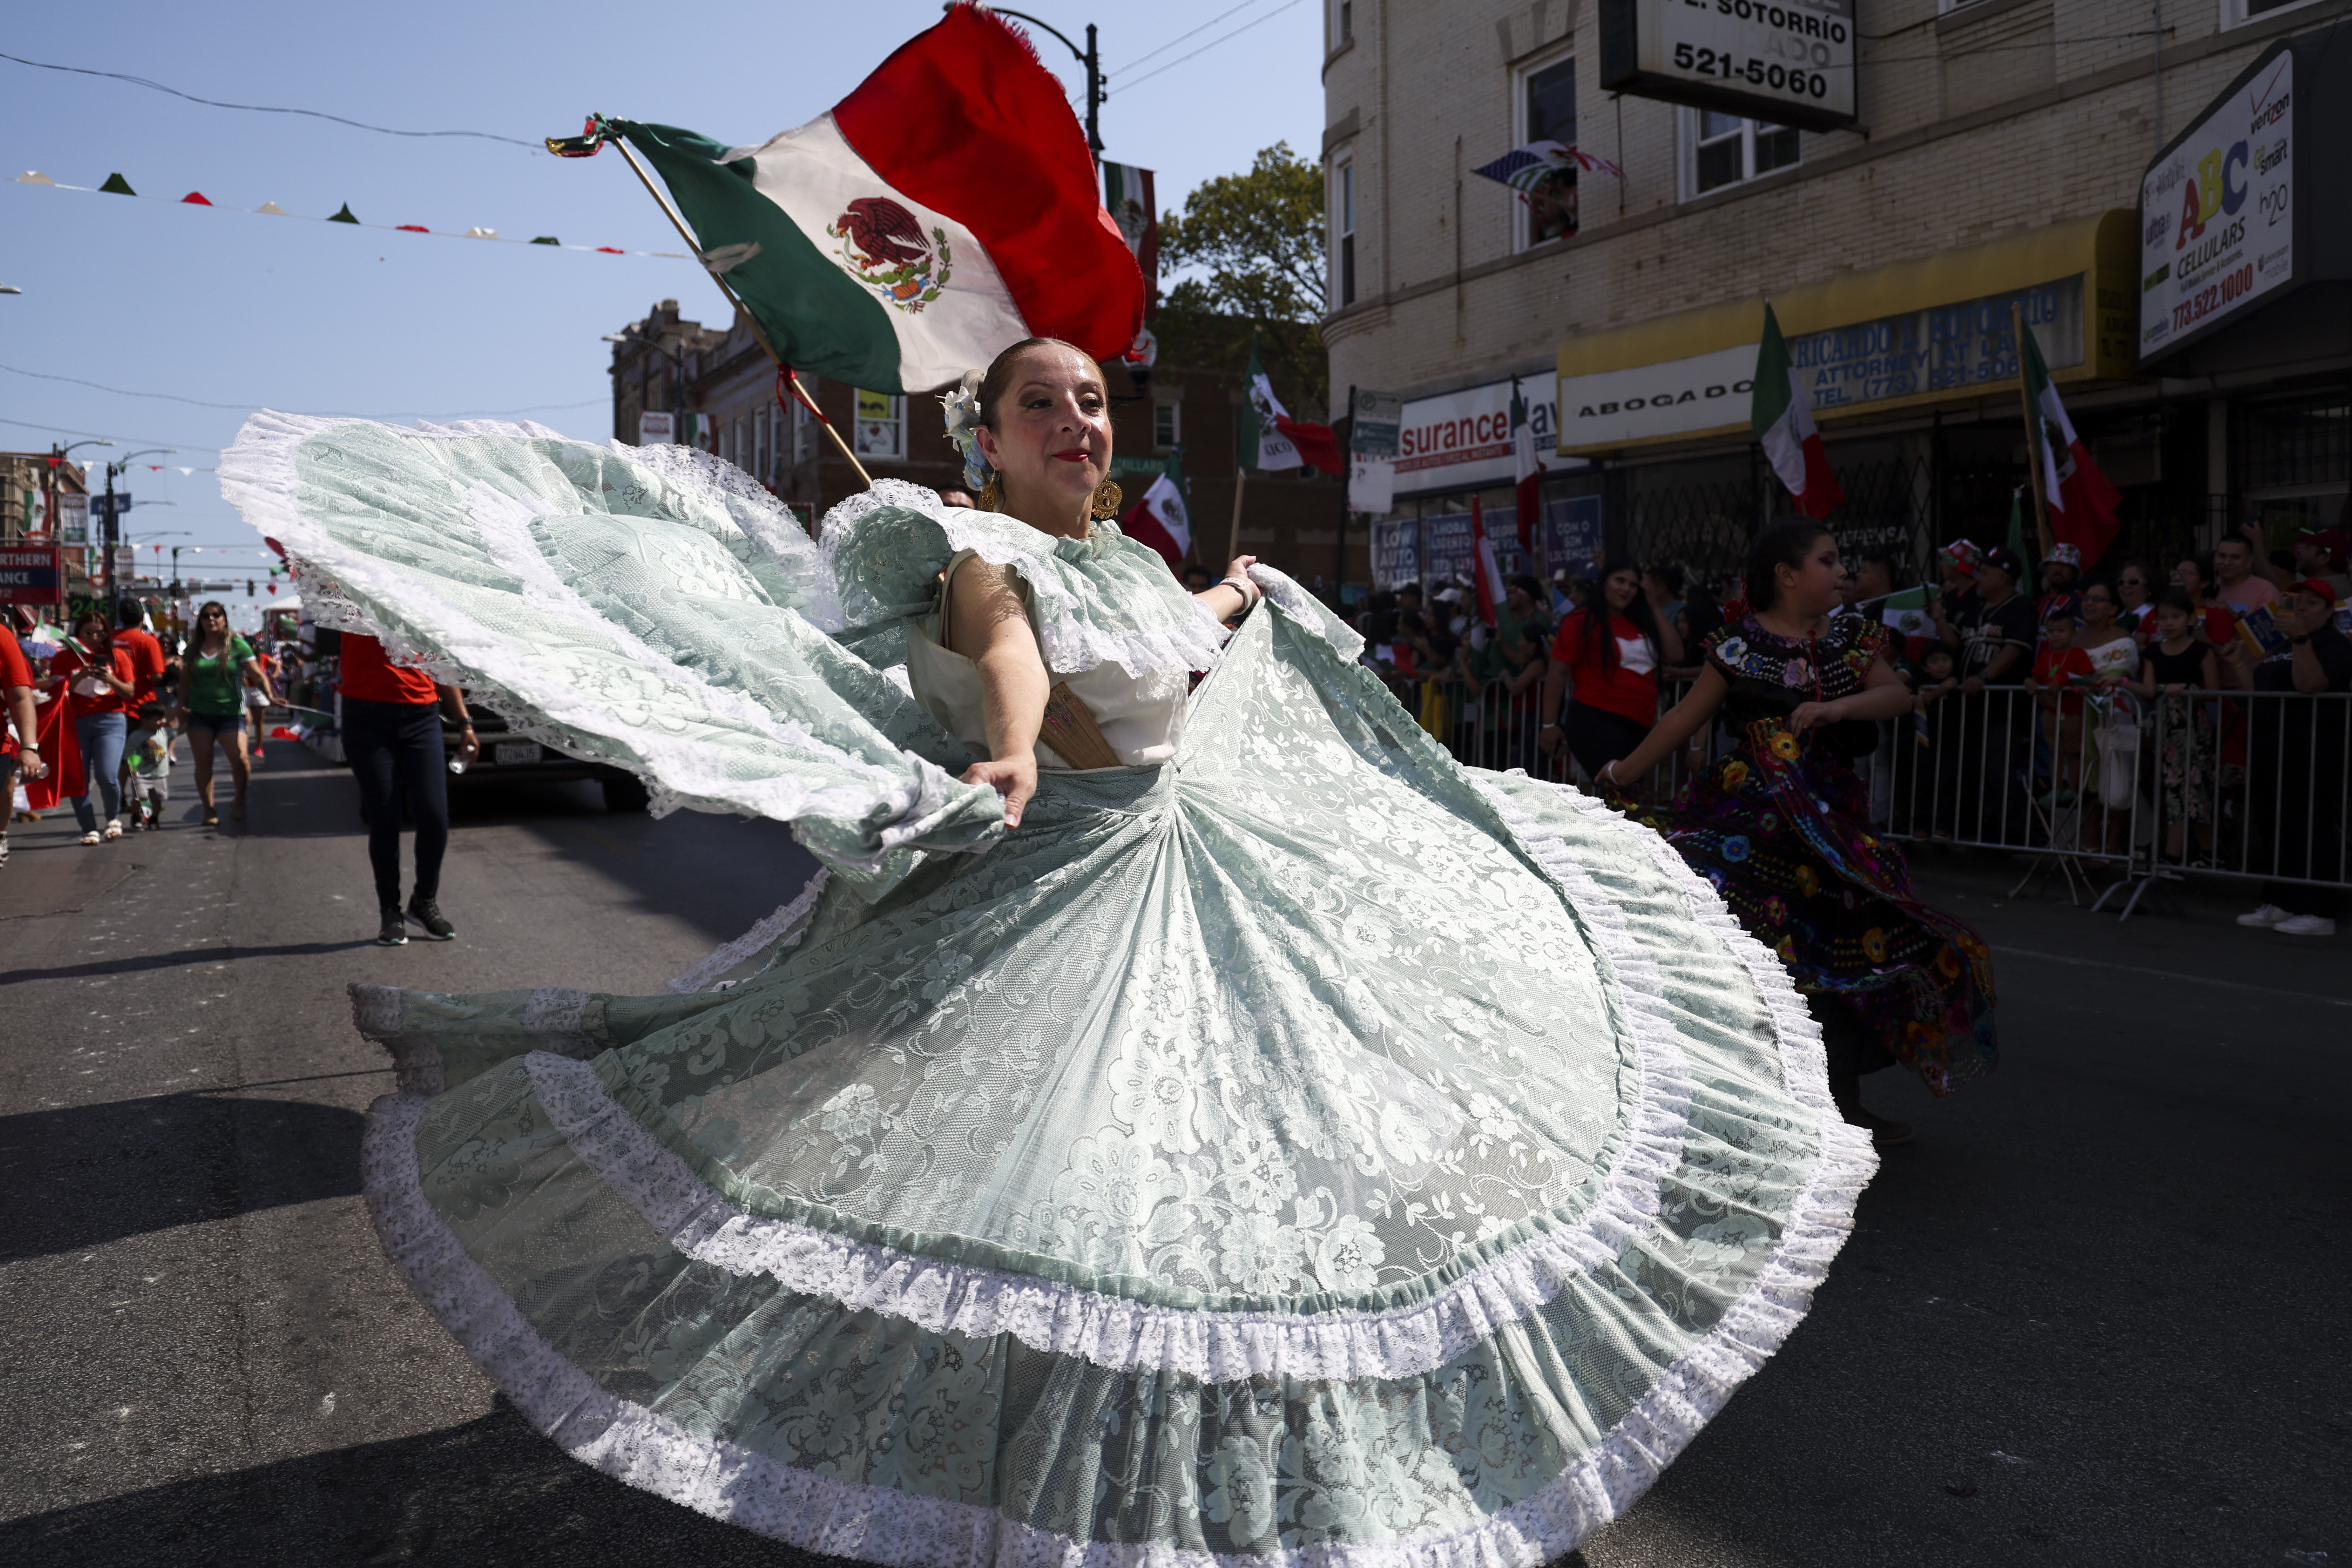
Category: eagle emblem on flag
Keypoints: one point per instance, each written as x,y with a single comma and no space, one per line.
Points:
883,244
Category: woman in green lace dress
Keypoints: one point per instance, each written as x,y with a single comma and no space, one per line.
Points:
1183,1122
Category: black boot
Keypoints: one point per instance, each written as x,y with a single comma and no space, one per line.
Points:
393,931
428,913
1845,1091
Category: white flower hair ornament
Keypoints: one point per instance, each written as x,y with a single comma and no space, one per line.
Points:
961,404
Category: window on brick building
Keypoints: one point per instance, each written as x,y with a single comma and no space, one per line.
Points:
1720,150
1166,425
1343,22
1343,231
1547,112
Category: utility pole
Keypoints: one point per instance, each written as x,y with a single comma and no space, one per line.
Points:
1090,58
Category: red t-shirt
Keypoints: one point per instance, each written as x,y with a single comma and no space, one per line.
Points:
146,655
371,678
14,671
70,663
1627,686
2052,667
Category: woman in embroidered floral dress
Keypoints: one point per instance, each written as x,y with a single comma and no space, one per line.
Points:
1780,827
1183,1123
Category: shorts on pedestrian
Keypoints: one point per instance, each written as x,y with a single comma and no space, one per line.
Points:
216,724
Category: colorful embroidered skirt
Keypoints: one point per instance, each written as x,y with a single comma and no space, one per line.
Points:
1781,827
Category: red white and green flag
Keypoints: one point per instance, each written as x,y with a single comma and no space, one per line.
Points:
944,210
1268,437
2082,502
1528,469
1163,517
1128,198
1781,416
1486,571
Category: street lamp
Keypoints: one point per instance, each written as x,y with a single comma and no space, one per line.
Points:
113,532
1096,96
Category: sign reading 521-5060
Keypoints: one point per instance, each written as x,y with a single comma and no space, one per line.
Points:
1786,62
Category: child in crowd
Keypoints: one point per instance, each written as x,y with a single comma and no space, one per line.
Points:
147,748
2173,668
2060,671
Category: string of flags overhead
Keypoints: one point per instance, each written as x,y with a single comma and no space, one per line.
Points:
117,186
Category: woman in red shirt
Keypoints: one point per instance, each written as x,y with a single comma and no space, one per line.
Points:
1608,660
99,681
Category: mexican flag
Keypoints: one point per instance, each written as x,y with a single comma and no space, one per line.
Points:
1486,571
1126,196
1782,418
2082,502
1163,517
1527,470
945,209
1258,437
1906,612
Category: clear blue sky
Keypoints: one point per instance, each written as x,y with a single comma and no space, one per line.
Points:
230,308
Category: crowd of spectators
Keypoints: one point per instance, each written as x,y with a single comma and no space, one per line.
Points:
2054,708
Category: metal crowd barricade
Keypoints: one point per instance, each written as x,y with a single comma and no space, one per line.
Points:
2082,783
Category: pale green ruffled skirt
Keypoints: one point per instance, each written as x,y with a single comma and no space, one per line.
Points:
1308,1151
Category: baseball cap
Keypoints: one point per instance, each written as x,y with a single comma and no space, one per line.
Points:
2063,555
2001,556
2332,539
2318,587
1449,595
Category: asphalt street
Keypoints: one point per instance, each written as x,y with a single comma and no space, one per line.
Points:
2094,1315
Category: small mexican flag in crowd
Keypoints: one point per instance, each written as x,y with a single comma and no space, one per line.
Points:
1268,437
1906,612
1163,517
944,210
2082,502
1781,416
1527,467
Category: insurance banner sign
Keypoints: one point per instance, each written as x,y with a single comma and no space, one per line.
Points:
2217,211
31,575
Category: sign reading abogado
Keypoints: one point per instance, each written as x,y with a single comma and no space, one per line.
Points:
1787,62
2216,211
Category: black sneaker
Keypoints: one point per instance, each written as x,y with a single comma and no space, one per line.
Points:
428,913
394,932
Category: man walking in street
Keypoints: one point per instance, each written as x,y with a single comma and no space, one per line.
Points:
392,738
146,652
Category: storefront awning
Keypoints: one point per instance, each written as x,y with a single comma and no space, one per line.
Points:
1901,336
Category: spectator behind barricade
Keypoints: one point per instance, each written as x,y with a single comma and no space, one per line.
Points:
1870,579
958,498
20,738
2194,575
100,680
2236,584
1992,631
2294,765
1956,572
2060,672
1523,595
1198,579
2061,571
2136,599
1526,662
2114,652
1605,659
2176,665
1662,585
1923,747
147,758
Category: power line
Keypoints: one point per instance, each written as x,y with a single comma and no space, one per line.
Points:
1179,38
268,108
1204,48
324,414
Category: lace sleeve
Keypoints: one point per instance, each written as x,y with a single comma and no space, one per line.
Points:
618,610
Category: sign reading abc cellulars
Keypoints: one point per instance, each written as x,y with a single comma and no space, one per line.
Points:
2216,212
1786,62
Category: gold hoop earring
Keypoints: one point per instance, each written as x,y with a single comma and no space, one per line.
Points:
1106,499
992,499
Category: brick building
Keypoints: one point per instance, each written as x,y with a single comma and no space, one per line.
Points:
1999,158
665,364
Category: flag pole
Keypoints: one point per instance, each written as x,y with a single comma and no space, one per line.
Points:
1233,543
790,376
2034,440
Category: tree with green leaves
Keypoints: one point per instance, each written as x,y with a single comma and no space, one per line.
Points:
1255,242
